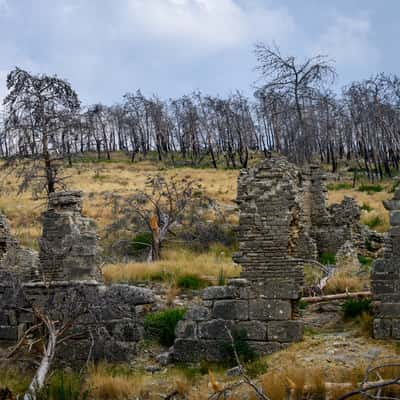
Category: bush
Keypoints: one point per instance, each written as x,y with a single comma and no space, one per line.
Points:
366,207
161,325
192,282
370,188
373,222
142,241
366,261
221,278
327,259
353,308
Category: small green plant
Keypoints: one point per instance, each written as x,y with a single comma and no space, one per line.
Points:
366,207
373,222
365,261
256,368
302,304
221,277
370,188
191,281
141,241
327,258
64,386
161,325
368,245
353,308
339,186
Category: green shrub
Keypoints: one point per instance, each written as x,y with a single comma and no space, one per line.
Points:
161,325
366,261
241,345
221,278
366,207
339,186
327,258
64,387
302,304
368,245
142,241
353,308
373,222
370,188
192,282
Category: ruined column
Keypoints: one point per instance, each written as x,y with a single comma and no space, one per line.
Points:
386,278
68,246
269,228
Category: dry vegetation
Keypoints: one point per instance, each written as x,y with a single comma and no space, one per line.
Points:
175,263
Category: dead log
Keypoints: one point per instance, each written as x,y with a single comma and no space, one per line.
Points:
339,296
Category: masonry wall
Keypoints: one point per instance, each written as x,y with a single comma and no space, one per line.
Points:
386,278
65,283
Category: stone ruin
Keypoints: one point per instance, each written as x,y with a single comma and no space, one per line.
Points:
386,278
65,279
284,223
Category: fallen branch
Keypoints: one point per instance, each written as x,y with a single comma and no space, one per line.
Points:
339,296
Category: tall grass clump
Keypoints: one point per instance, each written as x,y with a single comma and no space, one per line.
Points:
353,308
161,325
369,188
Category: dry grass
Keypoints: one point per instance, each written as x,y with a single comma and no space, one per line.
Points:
344,281
175,263
98,179
106,386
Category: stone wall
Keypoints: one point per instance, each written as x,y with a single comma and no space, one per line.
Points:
386,278
266,321
65,282
284,223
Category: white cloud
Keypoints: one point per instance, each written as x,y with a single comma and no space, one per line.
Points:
209,24
348,41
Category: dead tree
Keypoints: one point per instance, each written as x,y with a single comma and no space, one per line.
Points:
160,207
36,106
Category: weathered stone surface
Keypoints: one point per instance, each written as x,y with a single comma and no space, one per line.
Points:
231,310
255,330
285,331
215,329
198,313
9,333
395,218
219,292
188,350
186,329
265,348
269,310
382,328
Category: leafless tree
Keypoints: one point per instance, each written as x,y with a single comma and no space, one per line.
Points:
34,106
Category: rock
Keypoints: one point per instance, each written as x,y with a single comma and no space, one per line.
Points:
152,368
165,358
235,371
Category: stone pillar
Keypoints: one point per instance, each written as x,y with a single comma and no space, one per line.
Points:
269,228
386,278
68,246
6,239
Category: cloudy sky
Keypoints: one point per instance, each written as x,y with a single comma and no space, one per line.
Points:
106,48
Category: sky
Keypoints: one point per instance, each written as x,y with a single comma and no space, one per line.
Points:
106,48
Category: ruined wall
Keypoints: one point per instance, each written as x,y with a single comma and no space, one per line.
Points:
263,303
269,228
68,283
68,246
386,278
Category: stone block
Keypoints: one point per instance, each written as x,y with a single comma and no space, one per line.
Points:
220,292
198,313
265,348
256,330
186,330
215,329
396,328
285,331
388,310
395,218
188,350
9,333
279,289
269,310
382,328
231,310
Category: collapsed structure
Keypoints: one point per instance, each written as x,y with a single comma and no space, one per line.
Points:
386,278
284,223
64,279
